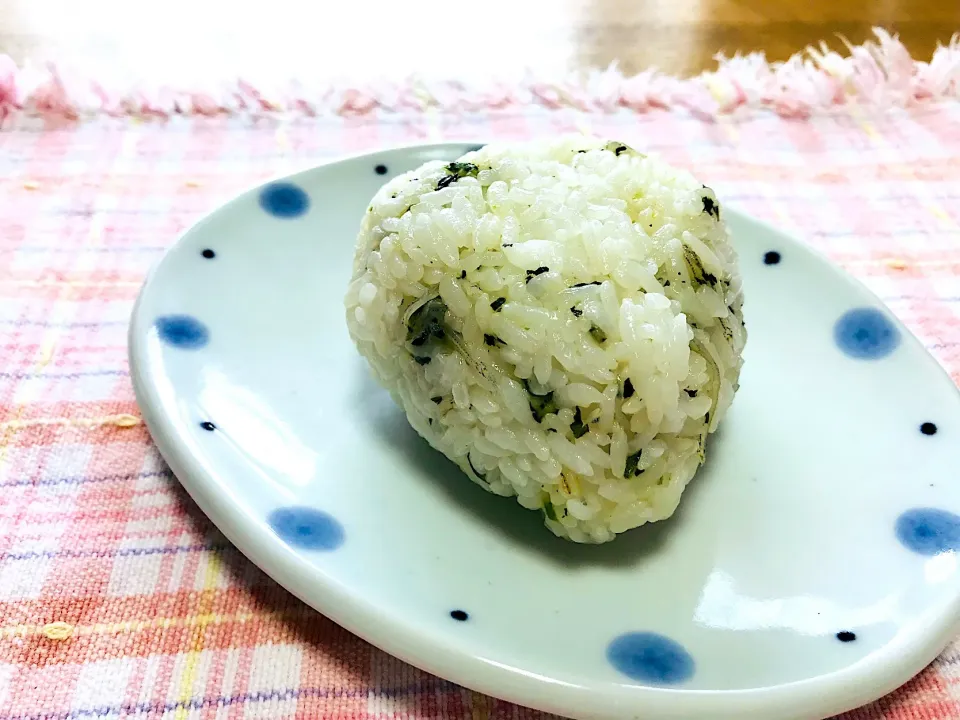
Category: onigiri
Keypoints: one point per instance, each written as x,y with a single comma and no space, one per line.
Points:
561,318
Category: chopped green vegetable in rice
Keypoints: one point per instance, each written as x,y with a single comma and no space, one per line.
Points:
632,462
577,427
456,171
549,511
541,405
598,334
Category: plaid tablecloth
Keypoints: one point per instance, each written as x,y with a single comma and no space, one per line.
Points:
118,599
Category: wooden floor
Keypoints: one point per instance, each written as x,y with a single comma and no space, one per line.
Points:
446,37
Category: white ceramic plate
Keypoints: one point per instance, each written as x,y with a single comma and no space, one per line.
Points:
811,567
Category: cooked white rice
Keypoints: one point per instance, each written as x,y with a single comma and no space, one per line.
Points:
561,319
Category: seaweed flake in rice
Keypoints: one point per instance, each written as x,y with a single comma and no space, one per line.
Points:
562,319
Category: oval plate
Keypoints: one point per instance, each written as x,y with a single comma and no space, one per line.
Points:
810,568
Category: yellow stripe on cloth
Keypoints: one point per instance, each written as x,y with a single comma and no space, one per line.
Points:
135,626
193,657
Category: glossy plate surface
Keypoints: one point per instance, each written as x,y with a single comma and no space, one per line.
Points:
811,567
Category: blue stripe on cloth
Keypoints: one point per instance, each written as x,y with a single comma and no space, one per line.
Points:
79,251
62,325
432,685
83,479
61,376
122,552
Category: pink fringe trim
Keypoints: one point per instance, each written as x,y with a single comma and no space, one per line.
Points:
879,74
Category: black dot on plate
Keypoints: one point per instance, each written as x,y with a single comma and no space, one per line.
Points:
381,169
928,428
846,636
459,615
209,254
208,426
771,258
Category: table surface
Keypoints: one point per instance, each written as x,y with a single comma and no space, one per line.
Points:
497,37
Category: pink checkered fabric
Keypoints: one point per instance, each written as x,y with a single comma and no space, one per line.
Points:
118,599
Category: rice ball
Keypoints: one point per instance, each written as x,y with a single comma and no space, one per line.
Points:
562,319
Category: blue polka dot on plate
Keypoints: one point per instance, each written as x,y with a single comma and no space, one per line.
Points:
929,531
307,528
284,200
866,334
650,658
182,331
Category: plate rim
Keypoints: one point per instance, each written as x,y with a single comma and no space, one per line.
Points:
844,689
